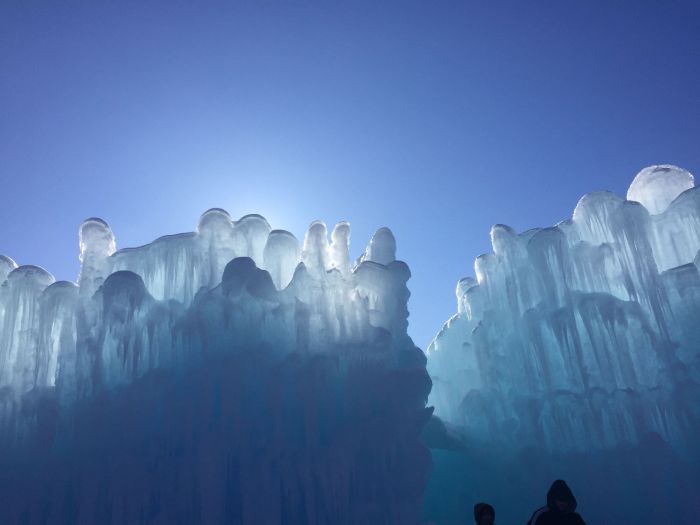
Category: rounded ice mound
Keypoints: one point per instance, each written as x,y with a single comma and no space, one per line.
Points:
465,284
61,287
341,234
281,256
213,218
255,228
382,247
340,247
6,266
593,216
31,274
656,187
596,204
283,239
314,254
317,231
254,221
60,291
96,237
503,238
483,265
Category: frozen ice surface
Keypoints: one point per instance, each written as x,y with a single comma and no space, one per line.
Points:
382,247
582,336
657,186
151,290
340,247
281,257
225,375
6,266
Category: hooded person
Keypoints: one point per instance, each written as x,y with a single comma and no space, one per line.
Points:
484,514
560,508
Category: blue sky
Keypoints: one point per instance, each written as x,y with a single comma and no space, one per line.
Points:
437,119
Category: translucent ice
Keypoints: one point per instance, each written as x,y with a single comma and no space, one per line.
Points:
382,247
96,246
21,322
657,186
224,375
340,247
581,336
6,266
281,257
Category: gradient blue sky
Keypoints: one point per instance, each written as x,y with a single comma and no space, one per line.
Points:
437,119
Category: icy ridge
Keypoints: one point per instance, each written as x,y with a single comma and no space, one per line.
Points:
583,335
227,375
239,279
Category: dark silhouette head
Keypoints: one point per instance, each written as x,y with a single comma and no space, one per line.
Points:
484,514
560,498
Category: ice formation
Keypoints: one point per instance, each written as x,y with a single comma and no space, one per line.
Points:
227,375
583,336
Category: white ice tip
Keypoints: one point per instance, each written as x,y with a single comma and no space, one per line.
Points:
6,266
382,247
29,272
92,225
7,262
656,187
212,218
96,236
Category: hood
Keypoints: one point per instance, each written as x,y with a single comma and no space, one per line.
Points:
483,508
561,491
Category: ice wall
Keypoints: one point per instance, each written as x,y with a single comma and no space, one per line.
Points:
229,375
586,335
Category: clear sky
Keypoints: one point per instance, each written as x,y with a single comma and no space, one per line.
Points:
437,119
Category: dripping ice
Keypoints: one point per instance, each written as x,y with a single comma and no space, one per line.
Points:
582,336
255,366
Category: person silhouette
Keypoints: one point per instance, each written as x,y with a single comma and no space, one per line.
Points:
560,508
484,514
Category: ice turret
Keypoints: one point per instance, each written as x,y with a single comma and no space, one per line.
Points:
97,244
593,217
215,245
21,324
6,266
252,232
314,254
215,221
340,247
57,335
281,256
381,248
656,187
